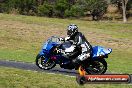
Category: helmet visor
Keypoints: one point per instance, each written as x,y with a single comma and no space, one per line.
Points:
69,32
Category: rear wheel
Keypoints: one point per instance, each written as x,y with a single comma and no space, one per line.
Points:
97,67
44,65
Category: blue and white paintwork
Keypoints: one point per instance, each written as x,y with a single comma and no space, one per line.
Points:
49,44
100,51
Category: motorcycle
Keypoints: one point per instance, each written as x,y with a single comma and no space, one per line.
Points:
55,52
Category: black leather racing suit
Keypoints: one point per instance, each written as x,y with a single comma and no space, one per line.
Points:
80,41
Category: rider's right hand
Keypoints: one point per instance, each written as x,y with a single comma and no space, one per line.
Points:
61,39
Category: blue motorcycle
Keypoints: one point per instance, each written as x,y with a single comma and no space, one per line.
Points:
53,52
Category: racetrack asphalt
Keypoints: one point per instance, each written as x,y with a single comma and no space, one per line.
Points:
33,67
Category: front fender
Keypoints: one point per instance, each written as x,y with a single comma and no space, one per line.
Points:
41,52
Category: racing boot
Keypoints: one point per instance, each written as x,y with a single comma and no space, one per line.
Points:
76,63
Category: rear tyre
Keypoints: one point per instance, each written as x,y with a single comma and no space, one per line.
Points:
44,65
97,67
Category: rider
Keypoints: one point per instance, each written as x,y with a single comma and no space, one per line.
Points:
79,40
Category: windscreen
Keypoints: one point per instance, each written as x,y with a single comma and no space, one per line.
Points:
53,39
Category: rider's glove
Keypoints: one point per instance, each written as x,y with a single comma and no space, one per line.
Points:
61,39
67,38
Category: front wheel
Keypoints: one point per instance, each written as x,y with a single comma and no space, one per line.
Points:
97,67
44,65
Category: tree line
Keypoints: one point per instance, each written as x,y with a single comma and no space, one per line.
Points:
65,8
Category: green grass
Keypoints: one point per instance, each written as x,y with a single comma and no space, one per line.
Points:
14,78
17,55
120,62
21,38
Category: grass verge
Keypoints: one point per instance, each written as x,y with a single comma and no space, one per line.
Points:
14,78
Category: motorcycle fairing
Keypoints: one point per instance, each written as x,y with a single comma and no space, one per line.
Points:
100,51
47,46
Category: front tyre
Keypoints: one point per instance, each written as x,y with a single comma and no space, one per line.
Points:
44,65
97,67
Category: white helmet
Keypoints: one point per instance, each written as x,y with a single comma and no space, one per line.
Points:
72,29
